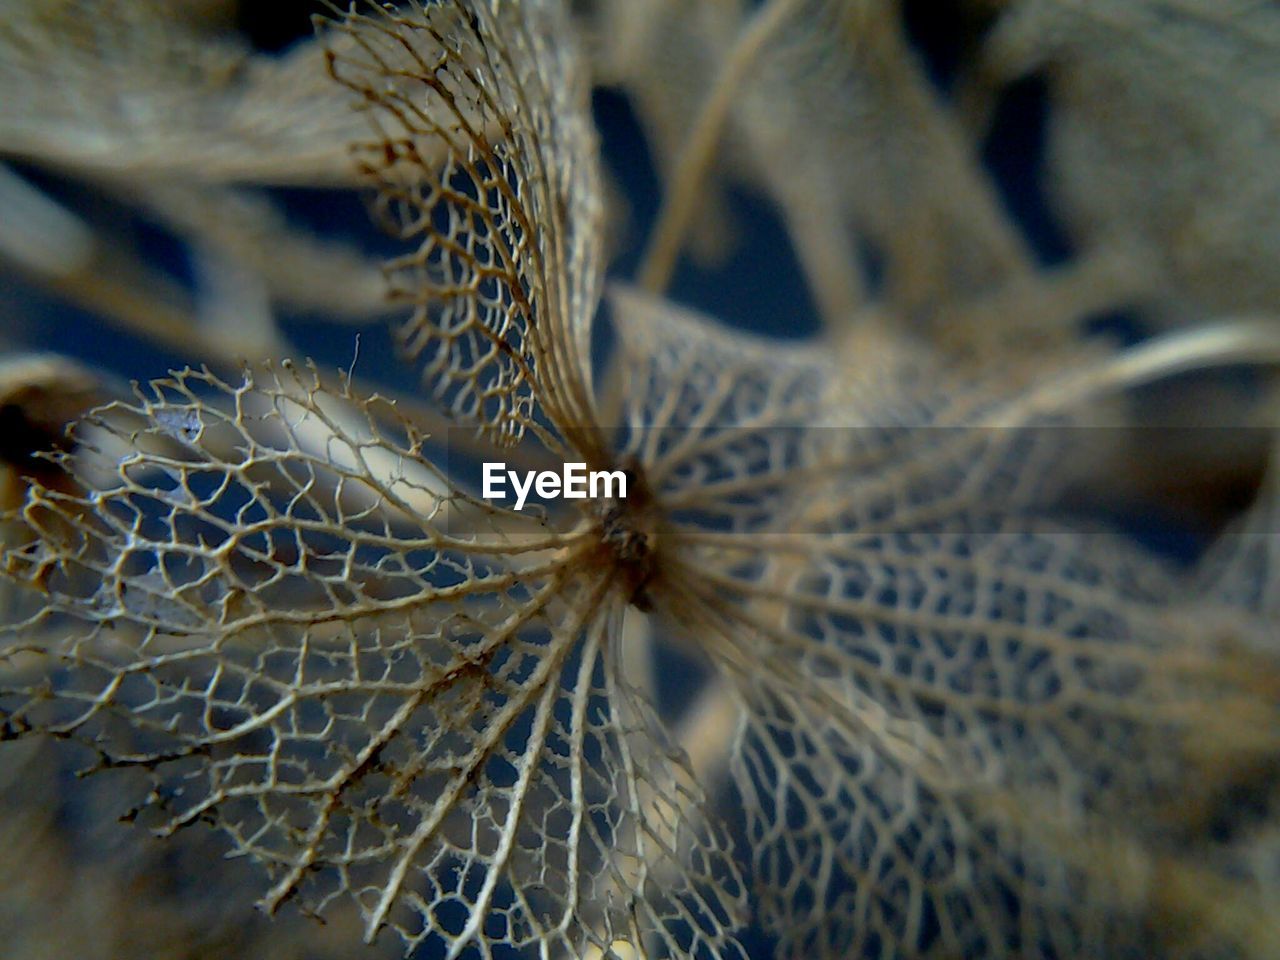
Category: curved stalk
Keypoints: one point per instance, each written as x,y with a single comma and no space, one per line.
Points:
696,158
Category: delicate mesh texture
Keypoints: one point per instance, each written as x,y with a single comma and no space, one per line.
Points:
952,711
963,730
272,603
261,606
77,885
266,604
506,276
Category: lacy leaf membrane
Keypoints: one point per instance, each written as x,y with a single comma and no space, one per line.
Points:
951,708
505,279
963,728
259,605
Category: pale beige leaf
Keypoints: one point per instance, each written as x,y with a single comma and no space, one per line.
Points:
1164,117
142,88
854,144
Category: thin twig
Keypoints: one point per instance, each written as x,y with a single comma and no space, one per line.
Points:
1253,341
695,159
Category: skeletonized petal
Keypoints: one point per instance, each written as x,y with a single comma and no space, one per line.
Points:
968,729
505,278
272,604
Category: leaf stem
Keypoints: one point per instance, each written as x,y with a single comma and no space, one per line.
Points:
696,158
1252,340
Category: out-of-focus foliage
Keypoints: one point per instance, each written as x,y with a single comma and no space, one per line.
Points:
1164,125
837,118
659,51
39,395
84,888
147,88
171,111
824,119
